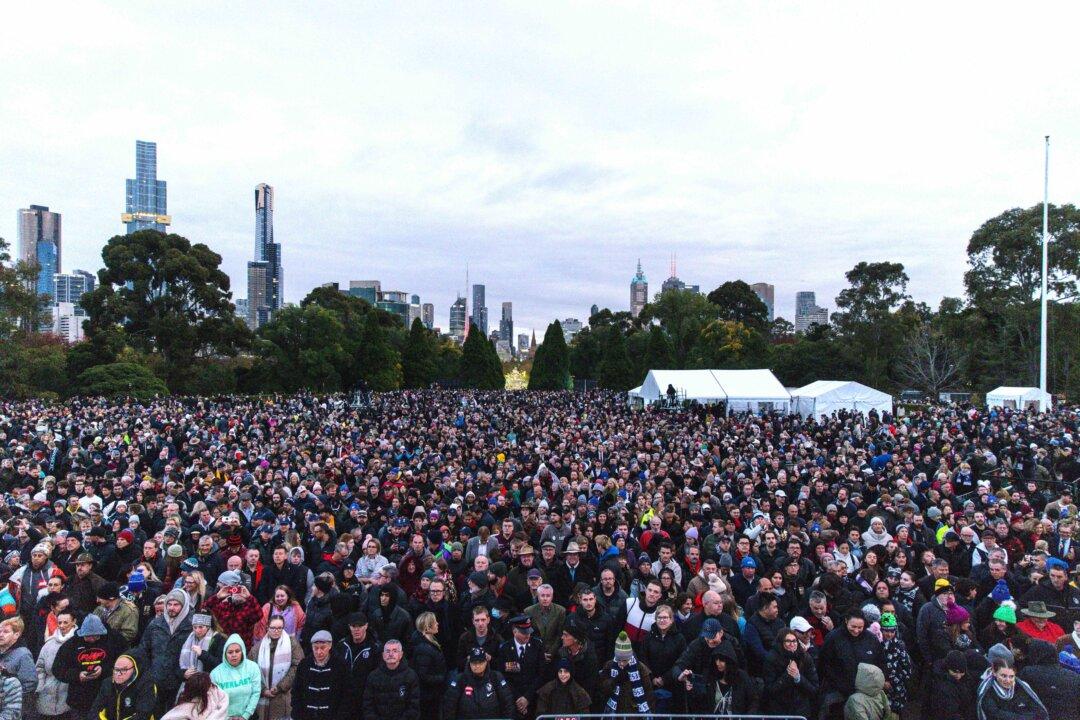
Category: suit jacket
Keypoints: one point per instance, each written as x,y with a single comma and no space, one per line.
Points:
548,625
524,675
472,548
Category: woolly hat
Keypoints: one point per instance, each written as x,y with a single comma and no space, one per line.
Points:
201,619
871,612
955,661
175,550
888,621
229,578
92,627
623,649
1001,593
189,565
956,615
479,579
126,535
1000,652
1006,613
136,581
717,584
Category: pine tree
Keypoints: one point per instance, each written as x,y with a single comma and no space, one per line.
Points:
480,365
551,366
419,357
616,370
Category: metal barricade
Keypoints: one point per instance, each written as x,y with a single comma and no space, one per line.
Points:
668,716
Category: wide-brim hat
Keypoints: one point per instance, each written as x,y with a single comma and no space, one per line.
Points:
572,548
1037,608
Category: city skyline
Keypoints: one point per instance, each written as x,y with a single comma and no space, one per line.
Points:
548,155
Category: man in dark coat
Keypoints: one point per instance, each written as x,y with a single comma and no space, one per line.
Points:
359,653
128,694
1056,686
393,690
521,661
85,662
320,682
479,692
845,648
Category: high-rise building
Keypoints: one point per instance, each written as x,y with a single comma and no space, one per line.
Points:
146,207
415,310
639,292
767,293
427,314
70,287
457,320
67,323
368,290
570,328
267,262
241,308
522,343
674,283
479,315
506,323
39,242
807,312
593,310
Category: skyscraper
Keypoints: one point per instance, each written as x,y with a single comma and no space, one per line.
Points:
522,343
146,207
479,315
807,312
457,320
767,293
639,292
570,327
39,242
674,283
506,323
266,267
368,290
70,287
427,313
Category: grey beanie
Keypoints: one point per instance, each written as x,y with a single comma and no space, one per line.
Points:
1001,652
92,626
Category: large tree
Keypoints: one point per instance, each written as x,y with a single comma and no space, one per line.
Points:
867,321
22,310
616,369
304,348
480,365
739,303
170,296
551,366
419,358
682,315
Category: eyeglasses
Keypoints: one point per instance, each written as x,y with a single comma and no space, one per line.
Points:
120,671
790,640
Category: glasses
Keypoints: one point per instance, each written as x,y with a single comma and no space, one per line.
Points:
120,671
790,640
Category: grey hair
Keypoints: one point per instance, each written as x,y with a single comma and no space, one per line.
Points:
545,586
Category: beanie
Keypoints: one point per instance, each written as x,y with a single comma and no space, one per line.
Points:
955,661
888,621
136,581
623,649
175,551
1001,593
1000,652
1006,613
956,615
126,535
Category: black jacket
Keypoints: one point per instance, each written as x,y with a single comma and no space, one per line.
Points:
77,655
524,675
1057,687
840,656
478,696
318,690
133,700
392,694
661,652
950,699
290,575
357,661
430,666
602,630
784,696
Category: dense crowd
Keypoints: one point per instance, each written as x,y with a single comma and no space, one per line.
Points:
509,555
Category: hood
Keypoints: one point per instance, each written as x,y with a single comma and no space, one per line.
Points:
135,663
234,639
869,680
1041,652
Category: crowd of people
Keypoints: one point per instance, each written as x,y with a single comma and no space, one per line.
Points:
510,555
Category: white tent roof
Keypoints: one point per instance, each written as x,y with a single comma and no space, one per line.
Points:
699,385
823,397
756,385
1019,396
742,389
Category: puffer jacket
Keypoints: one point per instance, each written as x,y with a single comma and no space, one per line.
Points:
10,698
869,701
163,647
393,694
51,691
1056,686
661,652
478,696
134,700
430,666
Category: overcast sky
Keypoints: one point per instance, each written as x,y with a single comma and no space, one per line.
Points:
548,145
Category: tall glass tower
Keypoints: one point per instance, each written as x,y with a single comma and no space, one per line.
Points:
39,242
265,279
146,207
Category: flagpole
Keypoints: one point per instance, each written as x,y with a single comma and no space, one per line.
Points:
1045,238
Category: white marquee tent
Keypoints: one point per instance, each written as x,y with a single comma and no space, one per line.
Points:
1016,398
752,390
824,397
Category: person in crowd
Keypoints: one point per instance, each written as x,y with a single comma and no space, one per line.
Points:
479,692
1003,696
200,699
575,647
161,646
358,653
661,649
1057,687
521,661
1038,623
282,604
321,682
625,685
84,661
52,692
10,696
846,649
17,659
392,691
790,678
869,701
127,694
240,678
562,696
119,614
429,663
278,655
203,649
234,608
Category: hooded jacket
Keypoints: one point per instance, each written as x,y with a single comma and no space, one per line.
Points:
869,701
132,700
52,692
242,683
77,655
217,708
163,640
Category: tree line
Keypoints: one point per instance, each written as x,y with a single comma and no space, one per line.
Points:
162,320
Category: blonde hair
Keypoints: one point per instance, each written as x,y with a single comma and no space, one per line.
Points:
16,624
424,624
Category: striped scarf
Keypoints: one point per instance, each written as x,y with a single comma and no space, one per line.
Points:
637,689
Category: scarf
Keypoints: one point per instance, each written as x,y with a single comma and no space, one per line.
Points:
274,669
637,689
992,684
907,597
188,659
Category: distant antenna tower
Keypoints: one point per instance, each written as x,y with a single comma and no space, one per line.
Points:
673,265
